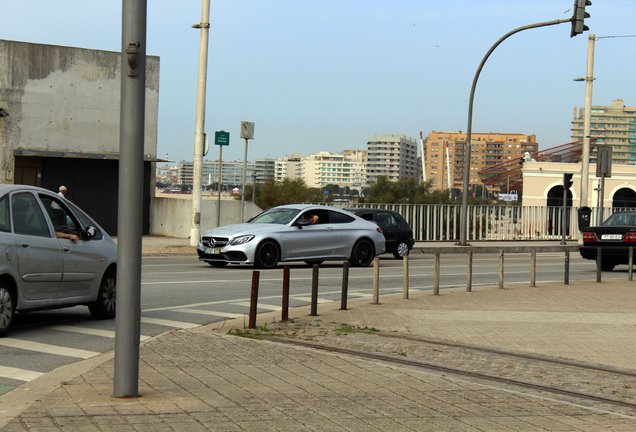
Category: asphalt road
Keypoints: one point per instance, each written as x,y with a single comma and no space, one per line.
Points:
180,292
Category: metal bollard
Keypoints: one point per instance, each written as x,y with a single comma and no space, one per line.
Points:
253,300
631,262
469,273
285,305
566,274
501,269
345,285
436,276
376,281
314,291
405,268
533,268
599,264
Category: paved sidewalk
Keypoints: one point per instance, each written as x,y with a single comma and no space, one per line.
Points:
209,378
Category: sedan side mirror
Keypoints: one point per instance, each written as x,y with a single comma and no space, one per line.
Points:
91,232
301,223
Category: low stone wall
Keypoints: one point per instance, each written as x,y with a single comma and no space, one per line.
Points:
171,216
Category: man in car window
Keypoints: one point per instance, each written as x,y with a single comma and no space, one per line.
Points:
313,218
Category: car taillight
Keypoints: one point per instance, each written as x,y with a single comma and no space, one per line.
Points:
378,229
630,237
589,237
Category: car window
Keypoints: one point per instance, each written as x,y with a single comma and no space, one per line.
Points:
276,216
5,220
62,219
339,218
27,216
85,221
385,219
621,219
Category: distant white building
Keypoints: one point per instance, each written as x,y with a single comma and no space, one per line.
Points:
345,169
289,167
394,156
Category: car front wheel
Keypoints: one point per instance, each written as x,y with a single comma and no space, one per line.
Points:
362,253
267,255
104,306
7,308
401,250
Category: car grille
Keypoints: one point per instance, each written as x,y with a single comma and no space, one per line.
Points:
215,242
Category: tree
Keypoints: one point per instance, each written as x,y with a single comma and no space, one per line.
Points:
273,193
406,191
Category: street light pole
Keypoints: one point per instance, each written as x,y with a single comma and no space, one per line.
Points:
199,139
585,162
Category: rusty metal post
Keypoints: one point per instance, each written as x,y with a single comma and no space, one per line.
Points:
436,276
566,275
376,281
631,262
599,264
501,269
253,300
345,285
469,273
533,268
405,267
285,301
314,291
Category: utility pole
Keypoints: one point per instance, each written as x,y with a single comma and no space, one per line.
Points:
199,137
131,181
589,78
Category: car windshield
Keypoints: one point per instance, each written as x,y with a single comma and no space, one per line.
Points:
621,219
276,216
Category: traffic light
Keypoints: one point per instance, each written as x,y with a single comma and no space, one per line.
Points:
567,181
578,17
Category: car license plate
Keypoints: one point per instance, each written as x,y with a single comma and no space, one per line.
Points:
212,251
612,237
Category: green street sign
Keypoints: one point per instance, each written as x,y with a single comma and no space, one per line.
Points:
221,138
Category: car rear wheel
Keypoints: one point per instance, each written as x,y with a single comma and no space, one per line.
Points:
362,253
7,308
607,265
105,305
267,255
218,264
401,250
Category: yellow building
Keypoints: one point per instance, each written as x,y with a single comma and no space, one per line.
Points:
444,155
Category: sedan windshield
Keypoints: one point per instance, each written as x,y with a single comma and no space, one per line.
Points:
276,216
621,219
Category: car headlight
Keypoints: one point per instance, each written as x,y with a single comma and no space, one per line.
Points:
242,240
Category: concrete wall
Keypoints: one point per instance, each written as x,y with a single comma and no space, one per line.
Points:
172,216
64,99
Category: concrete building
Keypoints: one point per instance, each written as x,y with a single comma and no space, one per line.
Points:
345,169
231,173
59,124
611,125
264,169
393,156
444,154
289,167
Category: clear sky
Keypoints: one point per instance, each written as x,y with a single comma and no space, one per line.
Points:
319,75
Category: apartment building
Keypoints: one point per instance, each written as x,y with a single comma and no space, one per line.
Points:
393,156
444,154
231,172
345,169
264,169
611,125
289,167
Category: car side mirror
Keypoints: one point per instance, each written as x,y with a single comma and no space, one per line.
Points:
91,232
301,223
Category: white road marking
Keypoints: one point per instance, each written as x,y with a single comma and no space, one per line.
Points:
209,312
18,374
169,323
308,299
260,305
89,331
46,348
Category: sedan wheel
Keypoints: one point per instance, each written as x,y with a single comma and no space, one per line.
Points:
7,308
401,250
104,307
362,253
267,255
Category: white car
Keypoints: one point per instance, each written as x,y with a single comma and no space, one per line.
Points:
53,256
285,233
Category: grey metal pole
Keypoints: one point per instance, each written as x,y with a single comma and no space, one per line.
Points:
130,215
218,207
243,186
585,162
464,215
199,137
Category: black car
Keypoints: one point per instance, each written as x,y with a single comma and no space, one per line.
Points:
614,237
397,232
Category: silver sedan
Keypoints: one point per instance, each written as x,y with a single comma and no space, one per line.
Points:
297,232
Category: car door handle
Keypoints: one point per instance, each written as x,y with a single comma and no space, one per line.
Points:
25,244
66,249
329,229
